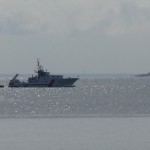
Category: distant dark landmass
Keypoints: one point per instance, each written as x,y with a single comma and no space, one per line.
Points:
143,75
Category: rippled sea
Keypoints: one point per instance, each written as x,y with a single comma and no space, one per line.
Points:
103,112
93,95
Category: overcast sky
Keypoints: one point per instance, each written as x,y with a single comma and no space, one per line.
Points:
75,36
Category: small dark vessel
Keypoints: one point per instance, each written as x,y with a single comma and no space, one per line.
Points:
1,86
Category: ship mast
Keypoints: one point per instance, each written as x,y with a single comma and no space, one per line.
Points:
38,64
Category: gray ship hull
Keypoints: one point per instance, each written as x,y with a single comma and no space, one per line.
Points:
43,79
68,82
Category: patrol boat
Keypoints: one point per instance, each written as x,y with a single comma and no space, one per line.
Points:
43,79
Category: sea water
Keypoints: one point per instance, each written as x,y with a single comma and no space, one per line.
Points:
128,133
100,113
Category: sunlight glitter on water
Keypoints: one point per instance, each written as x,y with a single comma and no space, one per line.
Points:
90,96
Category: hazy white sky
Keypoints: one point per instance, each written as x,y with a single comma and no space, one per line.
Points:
75,36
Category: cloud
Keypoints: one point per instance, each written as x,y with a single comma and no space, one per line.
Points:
130,18
112,17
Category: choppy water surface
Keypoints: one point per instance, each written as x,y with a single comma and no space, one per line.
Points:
94,95
44,124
